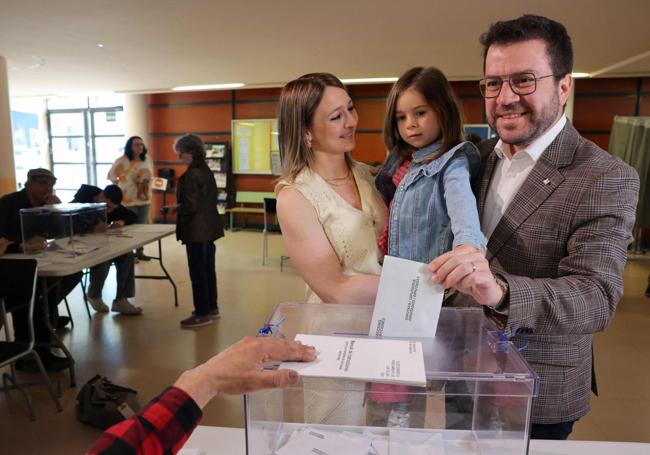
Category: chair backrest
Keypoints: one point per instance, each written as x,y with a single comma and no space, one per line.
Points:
18,279
270,205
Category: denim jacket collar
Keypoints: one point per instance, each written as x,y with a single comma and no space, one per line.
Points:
425,152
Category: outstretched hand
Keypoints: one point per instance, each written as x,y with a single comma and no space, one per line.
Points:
238,369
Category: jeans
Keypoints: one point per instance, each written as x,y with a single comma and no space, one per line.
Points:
201,258
142,213
20,317
125,275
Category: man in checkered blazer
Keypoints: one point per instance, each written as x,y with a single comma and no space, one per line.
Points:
558,213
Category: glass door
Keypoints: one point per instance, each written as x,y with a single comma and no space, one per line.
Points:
84,144
69,148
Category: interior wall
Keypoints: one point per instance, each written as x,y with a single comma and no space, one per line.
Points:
208,114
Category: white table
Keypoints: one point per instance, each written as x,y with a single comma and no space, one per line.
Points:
130,238
230,441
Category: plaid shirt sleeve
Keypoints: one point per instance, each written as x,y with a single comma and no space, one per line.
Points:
162,427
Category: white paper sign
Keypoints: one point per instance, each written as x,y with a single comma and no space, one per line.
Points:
365,359
408,303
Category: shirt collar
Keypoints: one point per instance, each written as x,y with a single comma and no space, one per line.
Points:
537,147
424,152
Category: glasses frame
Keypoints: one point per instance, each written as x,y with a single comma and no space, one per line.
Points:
481,84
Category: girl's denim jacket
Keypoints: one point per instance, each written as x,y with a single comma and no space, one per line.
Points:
434,209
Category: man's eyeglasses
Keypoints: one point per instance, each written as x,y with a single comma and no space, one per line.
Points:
521,84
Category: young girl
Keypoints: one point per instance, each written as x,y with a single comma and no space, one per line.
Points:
426,183
426,177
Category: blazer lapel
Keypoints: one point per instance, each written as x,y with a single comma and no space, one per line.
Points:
543,179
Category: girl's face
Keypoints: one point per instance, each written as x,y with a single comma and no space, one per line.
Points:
417,122
335,121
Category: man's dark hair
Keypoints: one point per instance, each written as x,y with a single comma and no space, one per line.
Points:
128,149
113,193
529,27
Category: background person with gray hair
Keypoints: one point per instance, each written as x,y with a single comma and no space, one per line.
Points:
198,225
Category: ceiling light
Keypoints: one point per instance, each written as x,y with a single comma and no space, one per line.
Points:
369,80
100,45
579,75
185,88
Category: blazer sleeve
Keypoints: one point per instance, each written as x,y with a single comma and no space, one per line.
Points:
583,297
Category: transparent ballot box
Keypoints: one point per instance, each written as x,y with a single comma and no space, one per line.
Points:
64,229
477,398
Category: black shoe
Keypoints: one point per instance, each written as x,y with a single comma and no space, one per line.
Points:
62,321
647,291
142,257
213,314
50,361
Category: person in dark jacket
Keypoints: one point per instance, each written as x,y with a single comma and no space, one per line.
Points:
198,225
117,216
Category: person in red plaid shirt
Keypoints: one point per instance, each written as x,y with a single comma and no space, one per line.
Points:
166,423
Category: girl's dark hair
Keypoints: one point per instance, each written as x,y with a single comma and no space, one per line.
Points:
128,148
435,88
192,145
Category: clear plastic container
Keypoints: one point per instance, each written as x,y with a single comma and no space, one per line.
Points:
64,229
477,399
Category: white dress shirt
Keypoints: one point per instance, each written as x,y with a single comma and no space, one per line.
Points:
510,173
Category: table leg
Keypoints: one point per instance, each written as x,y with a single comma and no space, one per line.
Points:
167,276
54,337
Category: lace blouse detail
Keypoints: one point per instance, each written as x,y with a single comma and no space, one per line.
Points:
352,232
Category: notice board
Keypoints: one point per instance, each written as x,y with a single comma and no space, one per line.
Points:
253,143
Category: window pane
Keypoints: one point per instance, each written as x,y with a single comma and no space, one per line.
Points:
109,122
102,172
65,195
67,124
67,102
68,150
108,149
70,176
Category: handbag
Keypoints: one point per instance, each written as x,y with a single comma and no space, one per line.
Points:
102,404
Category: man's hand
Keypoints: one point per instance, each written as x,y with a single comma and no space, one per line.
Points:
238,369
4,243
52,199
117,224
467,270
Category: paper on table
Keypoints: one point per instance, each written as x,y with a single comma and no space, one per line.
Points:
316,441
365,359
408,303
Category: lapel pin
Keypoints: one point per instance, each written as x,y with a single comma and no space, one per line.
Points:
547,181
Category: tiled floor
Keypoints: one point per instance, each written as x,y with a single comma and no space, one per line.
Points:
148,352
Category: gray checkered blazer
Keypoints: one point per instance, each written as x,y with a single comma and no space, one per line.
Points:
561,246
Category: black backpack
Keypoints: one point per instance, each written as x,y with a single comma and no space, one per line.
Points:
102,404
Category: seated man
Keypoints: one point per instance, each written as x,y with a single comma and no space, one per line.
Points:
38,192
118,216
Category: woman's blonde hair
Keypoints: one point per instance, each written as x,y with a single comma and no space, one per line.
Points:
436,89
298,102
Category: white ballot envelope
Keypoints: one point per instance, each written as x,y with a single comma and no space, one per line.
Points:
408,303
364,359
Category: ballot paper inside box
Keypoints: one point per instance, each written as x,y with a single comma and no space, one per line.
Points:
477,398
63,229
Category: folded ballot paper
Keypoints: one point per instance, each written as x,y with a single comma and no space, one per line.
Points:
408,303
364,359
